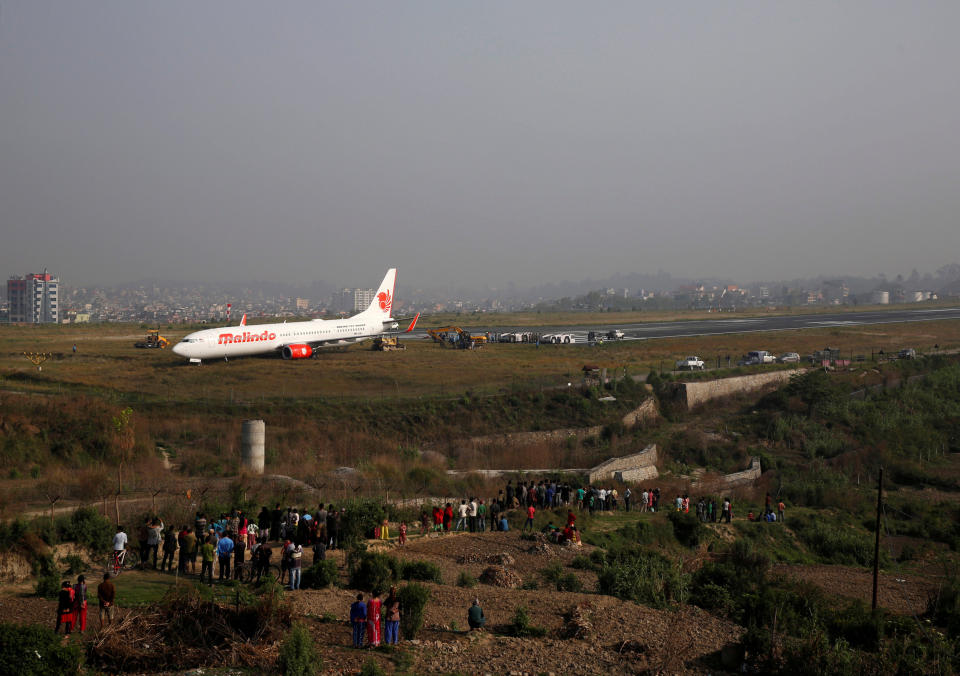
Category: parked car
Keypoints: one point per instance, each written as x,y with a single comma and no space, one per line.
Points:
690,364
789,358
907,353
615,334
755,357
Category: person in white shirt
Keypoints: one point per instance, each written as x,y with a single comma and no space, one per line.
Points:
462,511
472,515
119,540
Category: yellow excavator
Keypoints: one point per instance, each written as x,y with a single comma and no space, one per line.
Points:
153,340
387,344
454,336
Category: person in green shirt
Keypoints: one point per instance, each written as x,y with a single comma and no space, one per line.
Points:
207,552
482,517
475,617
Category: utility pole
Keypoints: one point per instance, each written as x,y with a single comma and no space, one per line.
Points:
876,546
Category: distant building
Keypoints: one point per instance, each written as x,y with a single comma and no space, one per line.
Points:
352,300
34,298
303,303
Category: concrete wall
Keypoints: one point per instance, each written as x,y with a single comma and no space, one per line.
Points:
693,394
633,476
747,476
606,470
646,411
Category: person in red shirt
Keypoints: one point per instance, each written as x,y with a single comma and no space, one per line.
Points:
65,608
571,517
402,540
447,517
531,510
437,518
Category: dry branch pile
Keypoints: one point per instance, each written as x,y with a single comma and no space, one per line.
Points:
186,631
501,559
498,576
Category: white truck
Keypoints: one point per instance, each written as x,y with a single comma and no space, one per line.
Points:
558,338
692,363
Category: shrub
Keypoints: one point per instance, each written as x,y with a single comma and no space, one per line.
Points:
372,668
361,517
74,564
552,573
298,654
569,583
371,571
465,579
530,584
581,562
644,577
413,600
321,574
48,577
686,528
521,625
424,571
34,650
88,528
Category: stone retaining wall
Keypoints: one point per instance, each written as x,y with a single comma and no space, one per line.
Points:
693,394
645,411
644,460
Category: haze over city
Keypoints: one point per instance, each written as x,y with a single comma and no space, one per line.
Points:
477,143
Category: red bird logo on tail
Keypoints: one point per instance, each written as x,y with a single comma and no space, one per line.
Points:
386,301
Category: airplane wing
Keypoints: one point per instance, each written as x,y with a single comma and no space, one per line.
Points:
314,344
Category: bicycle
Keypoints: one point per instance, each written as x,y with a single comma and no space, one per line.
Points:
246,572
121,560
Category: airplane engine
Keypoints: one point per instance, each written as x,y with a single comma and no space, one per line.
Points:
297,351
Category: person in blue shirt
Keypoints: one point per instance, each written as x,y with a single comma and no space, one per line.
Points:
504,526
358,620
224,550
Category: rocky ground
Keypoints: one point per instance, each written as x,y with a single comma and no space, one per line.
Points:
586,633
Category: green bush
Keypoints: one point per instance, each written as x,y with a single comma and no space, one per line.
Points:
372,668
413,601
321,574
581,562
522,626
465,579
569,583
86,527
424,571
641,576
530,584
74,564
686,528
298,654
48,577
552,573
836,542
372,571
34,650
361,517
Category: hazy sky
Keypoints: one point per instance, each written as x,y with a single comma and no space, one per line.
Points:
483,141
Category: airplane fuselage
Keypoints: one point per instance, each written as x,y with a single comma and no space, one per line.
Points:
243,341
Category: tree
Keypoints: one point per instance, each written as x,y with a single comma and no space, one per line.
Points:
123,440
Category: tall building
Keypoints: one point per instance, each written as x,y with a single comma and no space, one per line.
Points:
34,298
352,300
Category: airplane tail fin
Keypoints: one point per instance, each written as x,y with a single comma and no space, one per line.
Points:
382,305
413,323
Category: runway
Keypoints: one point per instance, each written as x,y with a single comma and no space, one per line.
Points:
733,324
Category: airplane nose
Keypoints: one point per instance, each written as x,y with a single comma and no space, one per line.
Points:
178,349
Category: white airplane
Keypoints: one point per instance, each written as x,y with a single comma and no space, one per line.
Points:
296,340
